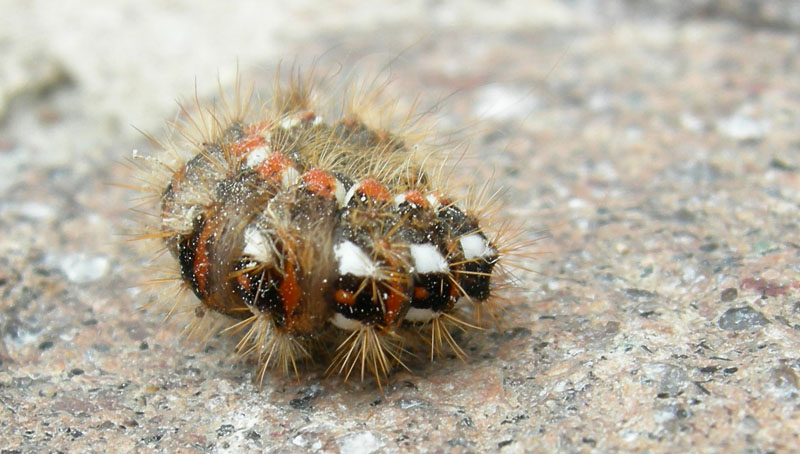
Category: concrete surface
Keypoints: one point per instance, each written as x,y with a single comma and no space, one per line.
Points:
658,146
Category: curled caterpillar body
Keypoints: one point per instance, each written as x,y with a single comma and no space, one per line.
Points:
316,237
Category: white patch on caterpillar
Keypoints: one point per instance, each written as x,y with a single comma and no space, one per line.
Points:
428,259
350,194
340,321
289,122
416,314
353,260
474,246
257,245
256,156
183,222
290,177
339,192
463,303
434,201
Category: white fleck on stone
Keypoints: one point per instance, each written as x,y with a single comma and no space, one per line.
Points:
353,260
81,268
359,443
416,314
688,273
428,259
629,436
599,101
299,441
552,285
499,102
742,127
35,211
576,203
692,122
475,246
348,324
257,245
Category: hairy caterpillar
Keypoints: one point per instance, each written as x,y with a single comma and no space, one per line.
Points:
319,229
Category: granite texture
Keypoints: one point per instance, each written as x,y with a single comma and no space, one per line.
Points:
658,149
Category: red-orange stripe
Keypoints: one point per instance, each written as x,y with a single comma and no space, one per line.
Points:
394,303
290,291
201,258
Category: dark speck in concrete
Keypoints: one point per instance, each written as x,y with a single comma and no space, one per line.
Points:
514,419
779,164
785,377
639,295
742,318
155,438
766,287
307,395
225,430
512,333
685,216
729,294
46,345
709,247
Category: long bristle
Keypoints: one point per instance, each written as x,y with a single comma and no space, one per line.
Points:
440,334
269,346
371,350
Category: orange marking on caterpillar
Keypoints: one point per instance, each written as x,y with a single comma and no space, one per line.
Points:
248,143
201,258
421,293
273,167
394,303
417,198
374,190
345,297
320,182
290,291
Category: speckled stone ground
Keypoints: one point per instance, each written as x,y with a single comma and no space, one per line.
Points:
659,148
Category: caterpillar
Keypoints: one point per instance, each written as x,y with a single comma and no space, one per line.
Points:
319,228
